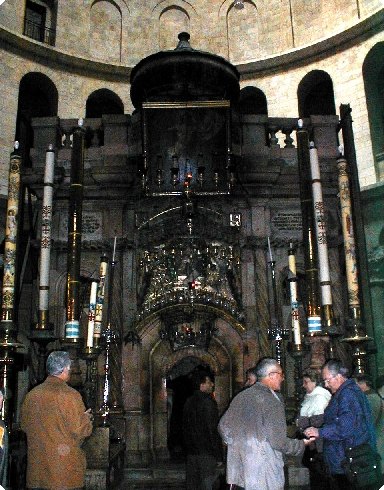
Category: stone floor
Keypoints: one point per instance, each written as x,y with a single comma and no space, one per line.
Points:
171,476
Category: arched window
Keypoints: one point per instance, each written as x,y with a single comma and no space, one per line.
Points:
106,31
38,97
315,95
172,20
243,33
252,101
251,105
373,73
103,101
40,21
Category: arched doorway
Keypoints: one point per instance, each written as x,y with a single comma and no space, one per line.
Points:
169,370
179,389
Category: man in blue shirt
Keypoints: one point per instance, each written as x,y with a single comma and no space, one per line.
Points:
347,421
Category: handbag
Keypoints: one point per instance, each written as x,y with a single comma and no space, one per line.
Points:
362,465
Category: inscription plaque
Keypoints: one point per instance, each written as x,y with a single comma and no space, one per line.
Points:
287,223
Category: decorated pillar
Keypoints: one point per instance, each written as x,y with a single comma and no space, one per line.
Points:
8,325
356,335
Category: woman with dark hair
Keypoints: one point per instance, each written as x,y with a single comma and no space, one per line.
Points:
312,409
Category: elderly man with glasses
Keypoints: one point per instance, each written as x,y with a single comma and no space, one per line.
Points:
255,431
347,421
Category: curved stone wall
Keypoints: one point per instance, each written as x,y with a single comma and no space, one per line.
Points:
274,46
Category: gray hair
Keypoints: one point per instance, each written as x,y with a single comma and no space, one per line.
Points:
57,361
335,367
264,367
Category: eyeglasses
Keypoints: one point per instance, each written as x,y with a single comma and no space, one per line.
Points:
327,380
280,373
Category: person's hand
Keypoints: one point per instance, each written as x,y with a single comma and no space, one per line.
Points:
309,441
311,432
89,413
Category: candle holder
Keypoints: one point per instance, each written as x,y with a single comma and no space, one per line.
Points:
297,351
42,337
90,355
358,340
109,337
278,334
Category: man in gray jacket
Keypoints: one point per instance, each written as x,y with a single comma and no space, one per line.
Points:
255,431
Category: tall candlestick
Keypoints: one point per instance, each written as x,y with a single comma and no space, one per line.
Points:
91,314
114,249
45,250
270,250
291,261
100,300
10,245
292,278
309,236
8,326
321,235
75,224
349,237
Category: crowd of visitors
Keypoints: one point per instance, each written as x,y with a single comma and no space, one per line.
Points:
337,412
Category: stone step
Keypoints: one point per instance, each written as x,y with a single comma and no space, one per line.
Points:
164,477
170,476
154,485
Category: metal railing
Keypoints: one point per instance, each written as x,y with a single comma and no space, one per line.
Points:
39,33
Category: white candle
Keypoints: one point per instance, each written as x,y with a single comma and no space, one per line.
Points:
293,293
114,250
91,314
291,261
46,222
100,296
270,250
320,228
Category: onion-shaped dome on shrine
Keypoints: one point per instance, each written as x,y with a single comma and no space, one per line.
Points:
183,74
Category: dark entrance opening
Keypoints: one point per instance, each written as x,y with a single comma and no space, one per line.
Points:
179,388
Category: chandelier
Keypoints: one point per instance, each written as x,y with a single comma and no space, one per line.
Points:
189,282
191,329
190,271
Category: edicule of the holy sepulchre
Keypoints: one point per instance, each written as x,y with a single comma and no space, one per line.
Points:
191,189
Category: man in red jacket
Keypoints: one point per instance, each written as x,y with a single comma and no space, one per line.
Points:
54,418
